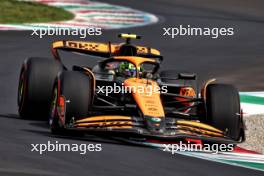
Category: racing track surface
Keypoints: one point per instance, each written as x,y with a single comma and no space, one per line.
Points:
238,59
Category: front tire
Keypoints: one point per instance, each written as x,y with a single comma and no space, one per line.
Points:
76,88
223,109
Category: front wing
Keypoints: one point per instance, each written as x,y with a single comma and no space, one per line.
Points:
134,127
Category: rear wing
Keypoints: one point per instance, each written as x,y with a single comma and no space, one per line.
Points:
105,50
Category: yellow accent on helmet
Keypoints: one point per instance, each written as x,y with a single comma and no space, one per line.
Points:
129,36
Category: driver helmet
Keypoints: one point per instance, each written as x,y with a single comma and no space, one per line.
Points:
127,69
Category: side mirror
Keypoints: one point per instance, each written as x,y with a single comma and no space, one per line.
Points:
147,75
187,76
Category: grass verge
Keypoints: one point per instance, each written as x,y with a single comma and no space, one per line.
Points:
17,12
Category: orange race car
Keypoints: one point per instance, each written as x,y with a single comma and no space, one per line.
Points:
126,95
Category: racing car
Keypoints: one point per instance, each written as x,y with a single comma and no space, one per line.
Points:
127,95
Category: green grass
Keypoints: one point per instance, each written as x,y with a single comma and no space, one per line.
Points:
17,12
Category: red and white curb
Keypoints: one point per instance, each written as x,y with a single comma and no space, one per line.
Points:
238,157
91,14
241,159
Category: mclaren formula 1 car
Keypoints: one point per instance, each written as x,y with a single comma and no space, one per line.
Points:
126,95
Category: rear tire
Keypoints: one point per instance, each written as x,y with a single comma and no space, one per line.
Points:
35,86
223,109
76,88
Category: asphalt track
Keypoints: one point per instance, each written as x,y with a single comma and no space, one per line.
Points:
237,59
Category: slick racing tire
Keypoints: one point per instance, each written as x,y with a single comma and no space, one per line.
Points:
36,81
76,89
223,109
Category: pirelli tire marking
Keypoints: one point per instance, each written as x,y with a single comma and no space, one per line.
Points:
91,14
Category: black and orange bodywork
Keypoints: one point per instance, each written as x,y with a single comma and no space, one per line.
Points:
172,115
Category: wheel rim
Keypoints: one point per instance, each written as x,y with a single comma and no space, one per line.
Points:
21,90
53,106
